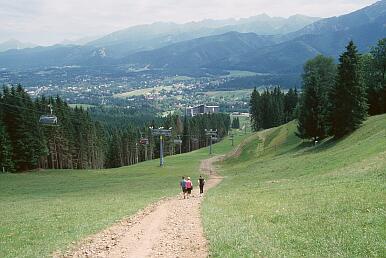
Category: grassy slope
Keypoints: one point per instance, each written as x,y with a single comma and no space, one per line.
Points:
234,94
284,198
41,212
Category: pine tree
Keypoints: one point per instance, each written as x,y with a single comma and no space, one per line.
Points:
186,136
318,79
21,122
265,108
348,96
277,101
254,110
374,71
114,155
310,122
6,162
235,123
291,99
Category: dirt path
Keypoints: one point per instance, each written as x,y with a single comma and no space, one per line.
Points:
169,228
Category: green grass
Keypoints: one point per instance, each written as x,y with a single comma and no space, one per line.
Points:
144,91
42,212
282,197
230,94
177,78
238,73
85,106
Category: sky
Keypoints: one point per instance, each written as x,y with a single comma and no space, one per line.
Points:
47,22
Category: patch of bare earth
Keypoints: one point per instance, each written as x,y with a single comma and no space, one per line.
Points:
169,228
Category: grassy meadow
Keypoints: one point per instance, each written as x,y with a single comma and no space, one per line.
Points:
284,197
42,212
233,94
143,92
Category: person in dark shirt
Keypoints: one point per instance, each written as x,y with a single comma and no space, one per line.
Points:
183,186
201,183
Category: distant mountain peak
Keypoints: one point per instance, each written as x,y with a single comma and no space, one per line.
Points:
14,44
343,22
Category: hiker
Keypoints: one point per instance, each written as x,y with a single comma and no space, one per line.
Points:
201,183
183,186
189,186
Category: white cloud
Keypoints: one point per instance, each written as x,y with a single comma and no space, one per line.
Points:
51,21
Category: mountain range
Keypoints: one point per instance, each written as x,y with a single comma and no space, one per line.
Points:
260,43
273,53
160,34
14,44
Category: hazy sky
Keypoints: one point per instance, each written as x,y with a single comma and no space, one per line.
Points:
51,21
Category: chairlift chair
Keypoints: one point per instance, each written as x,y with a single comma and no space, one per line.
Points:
49,120
144,141
177,141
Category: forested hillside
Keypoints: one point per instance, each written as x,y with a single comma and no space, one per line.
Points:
335,98
95,138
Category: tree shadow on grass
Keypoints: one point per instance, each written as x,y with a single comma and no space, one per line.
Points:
308,147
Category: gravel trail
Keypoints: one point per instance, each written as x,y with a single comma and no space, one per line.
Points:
171,227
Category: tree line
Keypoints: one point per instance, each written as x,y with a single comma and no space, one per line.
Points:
272,107
336,99
235,123
90,139
135,144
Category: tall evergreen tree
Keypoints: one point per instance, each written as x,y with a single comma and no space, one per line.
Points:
6,162
374,71
235,123
114,155
277,105
348,96
265,108
186,137
21,122
318,79
255,111
291,99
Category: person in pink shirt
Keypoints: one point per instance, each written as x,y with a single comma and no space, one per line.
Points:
189,186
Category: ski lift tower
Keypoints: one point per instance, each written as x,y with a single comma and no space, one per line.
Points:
212,134
162,133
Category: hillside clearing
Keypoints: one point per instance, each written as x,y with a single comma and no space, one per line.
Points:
43,212
282,197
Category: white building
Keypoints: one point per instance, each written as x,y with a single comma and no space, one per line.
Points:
201,109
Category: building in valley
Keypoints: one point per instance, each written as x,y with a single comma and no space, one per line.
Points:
201,109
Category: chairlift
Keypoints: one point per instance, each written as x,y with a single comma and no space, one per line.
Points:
49,120
177,141
144,141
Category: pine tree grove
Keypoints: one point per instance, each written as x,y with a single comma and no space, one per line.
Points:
90,139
